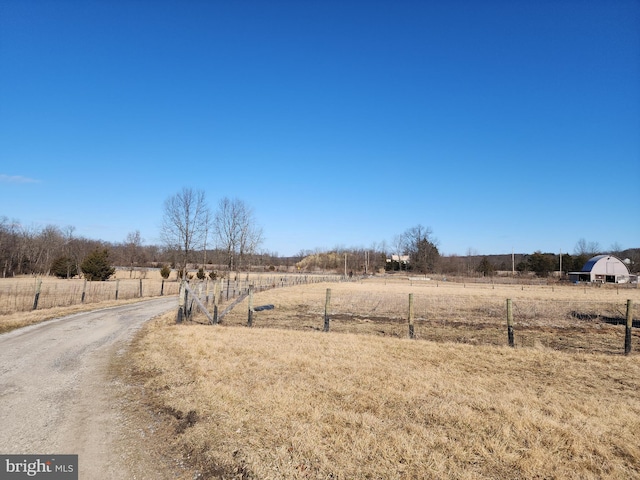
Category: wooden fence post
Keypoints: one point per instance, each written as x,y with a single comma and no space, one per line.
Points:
117,287
37,295
510,322
411,330
181,303
84,291
250,314
140,288
187,310
326,310
627,333
162,288
217,287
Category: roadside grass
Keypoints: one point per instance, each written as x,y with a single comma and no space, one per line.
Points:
60,297
271,403
22,319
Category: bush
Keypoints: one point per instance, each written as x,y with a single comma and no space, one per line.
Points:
96,265
165,271
201,273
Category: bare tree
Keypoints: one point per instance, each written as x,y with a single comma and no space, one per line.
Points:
615,249
236,231
184,222
397,246
133,249
586,248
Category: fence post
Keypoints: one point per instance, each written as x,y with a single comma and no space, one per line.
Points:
326,310
37,295
217,287
84,290
117,287
250,315
627,333
187,309
411,331
162,288
140,288
181,303
208,291
510,322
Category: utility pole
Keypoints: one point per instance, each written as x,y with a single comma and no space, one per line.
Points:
560,276
345,265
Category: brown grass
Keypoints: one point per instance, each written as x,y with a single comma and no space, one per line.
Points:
289,401
560,317
257,403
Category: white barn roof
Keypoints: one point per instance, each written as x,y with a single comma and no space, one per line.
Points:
602,268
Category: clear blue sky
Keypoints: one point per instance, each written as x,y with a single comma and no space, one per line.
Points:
499,124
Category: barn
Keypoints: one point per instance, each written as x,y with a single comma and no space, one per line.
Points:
602,269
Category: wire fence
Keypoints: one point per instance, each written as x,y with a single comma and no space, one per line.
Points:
26,294
542,317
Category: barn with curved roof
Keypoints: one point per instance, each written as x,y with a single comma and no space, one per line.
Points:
602,269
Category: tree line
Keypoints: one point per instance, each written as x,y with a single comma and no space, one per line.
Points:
229,237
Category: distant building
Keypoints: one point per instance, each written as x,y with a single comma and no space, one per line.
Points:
400,260
603,269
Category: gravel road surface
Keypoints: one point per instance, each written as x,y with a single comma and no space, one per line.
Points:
56,396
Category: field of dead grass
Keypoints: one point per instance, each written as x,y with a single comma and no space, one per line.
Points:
284,400
565,317
278,403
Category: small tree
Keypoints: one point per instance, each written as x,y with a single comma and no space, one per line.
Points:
486,268
201,274
165,271
64,267
96,265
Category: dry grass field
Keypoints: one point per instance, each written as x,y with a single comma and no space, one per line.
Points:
284,400
565,317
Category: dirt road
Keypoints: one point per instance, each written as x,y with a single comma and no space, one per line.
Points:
56,394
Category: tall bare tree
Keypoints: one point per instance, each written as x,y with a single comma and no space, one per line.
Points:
184,223
236,230
133,250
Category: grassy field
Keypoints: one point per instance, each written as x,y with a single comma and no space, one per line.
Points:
284,400
565,317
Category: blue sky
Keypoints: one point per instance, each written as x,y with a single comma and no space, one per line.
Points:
499,124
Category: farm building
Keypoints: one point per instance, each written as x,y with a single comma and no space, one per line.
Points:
400,259
602,269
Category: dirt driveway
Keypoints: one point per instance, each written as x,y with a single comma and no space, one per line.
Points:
57,396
